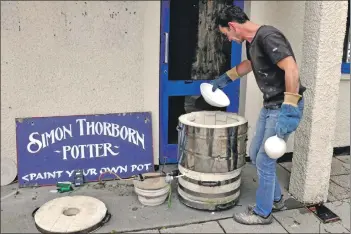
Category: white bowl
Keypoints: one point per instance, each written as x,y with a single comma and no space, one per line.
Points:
217,98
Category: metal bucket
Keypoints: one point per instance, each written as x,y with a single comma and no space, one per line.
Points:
211,153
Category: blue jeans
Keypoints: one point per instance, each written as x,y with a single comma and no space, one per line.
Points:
268,184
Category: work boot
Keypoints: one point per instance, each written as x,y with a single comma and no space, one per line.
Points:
277,205
251,218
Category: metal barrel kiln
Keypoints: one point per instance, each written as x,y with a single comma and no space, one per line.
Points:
211,154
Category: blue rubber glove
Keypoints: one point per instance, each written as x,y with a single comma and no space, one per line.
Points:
220,82
288,120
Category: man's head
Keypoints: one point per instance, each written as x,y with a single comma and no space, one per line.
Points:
231,21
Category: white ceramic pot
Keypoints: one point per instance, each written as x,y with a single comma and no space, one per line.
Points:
151,191
152,197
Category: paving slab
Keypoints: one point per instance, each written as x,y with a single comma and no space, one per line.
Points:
208,227
338,191
284,180
303,221
333,228
286,165
18,208
8,189
340,166
230,226
283,177
128,214
342,209
344,158
331,198
342,180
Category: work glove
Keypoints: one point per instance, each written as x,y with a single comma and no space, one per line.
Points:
220,82
289,116
225,79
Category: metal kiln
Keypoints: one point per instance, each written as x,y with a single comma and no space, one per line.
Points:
211,153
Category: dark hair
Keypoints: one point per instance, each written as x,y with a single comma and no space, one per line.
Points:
231,14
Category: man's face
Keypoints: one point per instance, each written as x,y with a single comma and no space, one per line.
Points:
232,33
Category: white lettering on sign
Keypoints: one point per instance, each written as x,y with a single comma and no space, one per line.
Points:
88,151
86,172
40,141
90,171
140,167
112,130
42,176
116,170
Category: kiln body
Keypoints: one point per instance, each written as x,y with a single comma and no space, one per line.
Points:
211,154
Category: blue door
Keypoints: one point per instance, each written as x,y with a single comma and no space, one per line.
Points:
175,87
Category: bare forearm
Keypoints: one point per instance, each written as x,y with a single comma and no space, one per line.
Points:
291,70
240,70
244,68
292,80
291,95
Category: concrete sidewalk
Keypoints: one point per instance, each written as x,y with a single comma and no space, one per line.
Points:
129,215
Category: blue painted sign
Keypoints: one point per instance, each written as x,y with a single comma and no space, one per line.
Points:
50,149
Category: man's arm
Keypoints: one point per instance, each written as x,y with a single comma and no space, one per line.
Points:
240,70
289,66
277,49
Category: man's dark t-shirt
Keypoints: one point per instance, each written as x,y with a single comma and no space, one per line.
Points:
267,48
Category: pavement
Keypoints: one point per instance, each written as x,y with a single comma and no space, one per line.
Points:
130,216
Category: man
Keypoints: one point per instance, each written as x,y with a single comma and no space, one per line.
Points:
271,58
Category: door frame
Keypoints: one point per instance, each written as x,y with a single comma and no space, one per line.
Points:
168,152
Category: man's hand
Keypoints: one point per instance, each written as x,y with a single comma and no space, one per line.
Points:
242,69
220,82
289,116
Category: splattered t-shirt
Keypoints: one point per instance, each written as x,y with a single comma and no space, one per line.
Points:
267,48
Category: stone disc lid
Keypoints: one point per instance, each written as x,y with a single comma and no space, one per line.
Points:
70,214
8,171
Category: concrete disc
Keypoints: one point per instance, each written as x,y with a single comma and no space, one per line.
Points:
70,214
151,183
8,171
